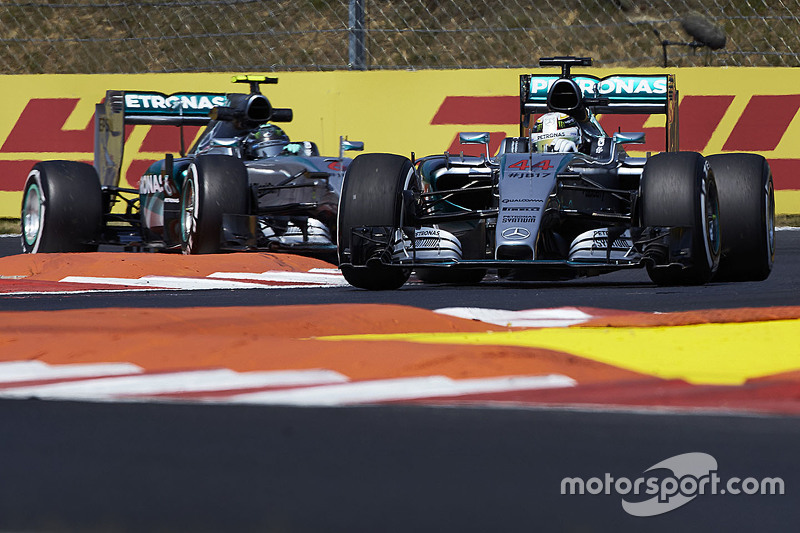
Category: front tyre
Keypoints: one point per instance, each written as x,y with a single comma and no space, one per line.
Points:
215,185
372,196
62,208
678,189
747,216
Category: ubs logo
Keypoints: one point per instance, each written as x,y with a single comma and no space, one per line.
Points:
515,234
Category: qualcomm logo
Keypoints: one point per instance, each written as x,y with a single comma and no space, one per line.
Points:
690,475
515,234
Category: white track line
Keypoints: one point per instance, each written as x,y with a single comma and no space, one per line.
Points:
175,382
109,381
110,289
165,282
530,318
400,389
14,371
293,277
219,280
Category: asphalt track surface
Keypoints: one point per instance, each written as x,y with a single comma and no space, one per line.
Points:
95,466
147,467
629,290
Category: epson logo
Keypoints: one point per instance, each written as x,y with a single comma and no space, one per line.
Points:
601,142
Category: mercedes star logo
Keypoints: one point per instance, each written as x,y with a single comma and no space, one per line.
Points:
515,234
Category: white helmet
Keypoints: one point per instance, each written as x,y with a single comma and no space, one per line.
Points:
556,132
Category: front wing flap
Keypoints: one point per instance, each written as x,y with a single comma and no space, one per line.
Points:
660,247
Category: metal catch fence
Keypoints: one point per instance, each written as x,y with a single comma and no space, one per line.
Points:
91,36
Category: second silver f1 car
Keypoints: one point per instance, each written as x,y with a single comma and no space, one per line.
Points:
243,185
562,200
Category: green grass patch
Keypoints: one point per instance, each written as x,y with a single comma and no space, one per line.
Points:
787,220
9,225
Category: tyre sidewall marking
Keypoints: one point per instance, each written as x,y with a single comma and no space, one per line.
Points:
401,213
406,183
412,175
35,175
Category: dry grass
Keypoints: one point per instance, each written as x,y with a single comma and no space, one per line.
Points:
207,35
9,225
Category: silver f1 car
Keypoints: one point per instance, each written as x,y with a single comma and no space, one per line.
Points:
243,185
562,200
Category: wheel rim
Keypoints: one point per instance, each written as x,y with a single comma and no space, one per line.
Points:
32,213
711,222
770,201
188,204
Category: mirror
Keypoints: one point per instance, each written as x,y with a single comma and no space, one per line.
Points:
629,138
356,146
474,137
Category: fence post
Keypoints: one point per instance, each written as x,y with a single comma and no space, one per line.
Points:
357,35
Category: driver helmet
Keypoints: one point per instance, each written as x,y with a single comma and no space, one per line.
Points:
268,141
556,132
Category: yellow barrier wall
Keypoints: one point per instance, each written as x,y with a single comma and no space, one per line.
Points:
722,110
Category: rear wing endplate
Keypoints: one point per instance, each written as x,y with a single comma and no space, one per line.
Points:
620,94
142,107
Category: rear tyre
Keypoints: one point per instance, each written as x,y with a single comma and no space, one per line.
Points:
747,216
372,196
452,276
215,185
678,189
62,208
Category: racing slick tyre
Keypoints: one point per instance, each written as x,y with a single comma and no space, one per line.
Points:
454,277
372,196
678,189
215,185
62,208
747,216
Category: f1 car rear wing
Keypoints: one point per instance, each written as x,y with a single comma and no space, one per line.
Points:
128,107
619,94
121,108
